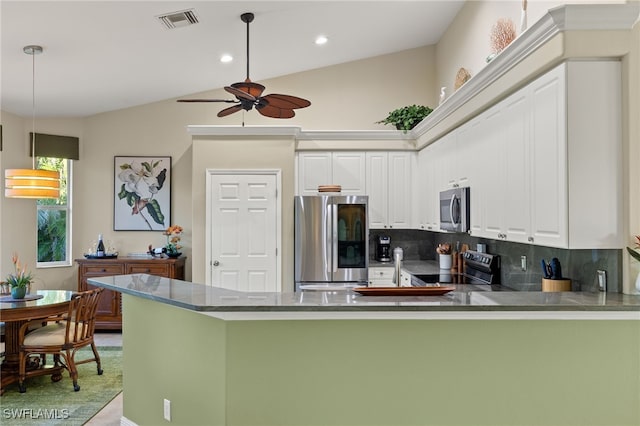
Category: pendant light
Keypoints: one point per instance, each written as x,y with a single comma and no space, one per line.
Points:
32,183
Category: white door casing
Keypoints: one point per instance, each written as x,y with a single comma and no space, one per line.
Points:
243,229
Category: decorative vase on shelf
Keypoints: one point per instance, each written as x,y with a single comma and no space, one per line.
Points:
174,255
18,292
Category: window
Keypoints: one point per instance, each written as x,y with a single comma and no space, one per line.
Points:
54,218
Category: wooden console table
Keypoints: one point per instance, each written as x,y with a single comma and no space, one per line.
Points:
109,314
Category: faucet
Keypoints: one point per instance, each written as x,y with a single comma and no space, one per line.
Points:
397,263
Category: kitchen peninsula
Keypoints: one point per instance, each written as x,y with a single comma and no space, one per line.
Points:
336,358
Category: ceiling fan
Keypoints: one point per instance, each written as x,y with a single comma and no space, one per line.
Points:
249,94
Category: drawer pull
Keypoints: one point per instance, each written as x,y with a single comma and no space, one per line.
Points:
104,270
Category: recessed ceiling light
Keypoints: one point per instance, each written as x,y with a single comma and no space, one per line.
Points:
226,58
320,40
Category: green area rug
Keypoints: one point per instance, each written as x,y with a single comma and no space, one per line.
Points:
49,403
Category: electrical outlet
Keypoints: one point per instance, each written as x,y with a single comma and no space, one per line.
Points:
523,263
167,410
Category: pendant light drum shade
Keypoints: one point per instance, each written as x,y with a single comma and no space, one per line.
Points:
32,183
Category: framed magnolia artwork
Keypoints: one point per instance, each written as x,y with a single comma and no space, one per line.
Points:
142,199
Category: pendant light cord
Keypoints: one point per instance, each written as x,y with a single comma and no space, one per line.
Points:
33,108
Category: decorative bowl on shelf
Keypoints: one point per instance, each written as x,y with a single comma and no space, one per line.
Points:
174,255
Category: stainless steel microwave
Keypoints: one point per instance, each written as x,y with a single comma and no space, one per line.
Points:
454,210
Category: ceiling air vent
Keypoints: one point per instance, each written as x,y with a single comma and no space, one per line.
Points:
178,19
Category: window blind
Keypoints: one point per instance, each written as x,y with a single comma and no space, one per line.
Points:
55,146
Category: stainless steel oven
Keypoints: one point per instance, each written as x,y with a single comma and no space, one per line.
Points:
454,210
479,268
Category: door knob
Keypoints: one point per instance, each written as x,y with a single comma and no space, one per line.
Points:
216,263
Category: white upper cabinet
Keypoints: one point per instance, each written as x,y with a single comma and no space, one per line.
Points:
500,204
385,176
427,189
543,166
389,186
349,172
377,171
515,141
548,159
314,169
326,168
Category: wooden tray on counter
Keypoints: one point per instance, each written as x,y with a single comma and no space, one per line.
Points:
403,291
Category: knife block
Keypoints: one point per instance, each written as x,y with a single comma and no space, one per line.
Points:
556,285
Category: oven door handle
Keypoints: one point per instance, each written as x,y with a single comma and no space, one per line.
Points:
455,221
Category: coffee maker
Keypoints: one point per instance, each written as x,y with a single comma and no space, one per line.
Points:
383,248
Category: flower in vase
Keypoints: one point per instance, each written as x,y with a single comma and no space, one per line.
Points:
20,278
173,234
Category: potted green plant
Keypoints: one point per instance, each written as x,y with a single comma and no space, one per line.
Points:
407,117
19,280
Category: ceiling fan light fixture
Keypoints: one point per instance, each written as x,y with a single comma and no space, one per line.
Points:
32,183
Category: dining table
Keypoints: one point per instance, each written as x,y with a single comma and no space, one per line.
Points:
16,312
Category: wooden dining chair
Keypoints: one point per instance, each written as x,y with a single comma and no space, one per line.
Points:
62,336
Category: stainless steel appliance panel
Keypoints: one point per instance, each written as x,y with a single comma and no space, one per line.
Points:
454,210
331,239
313,239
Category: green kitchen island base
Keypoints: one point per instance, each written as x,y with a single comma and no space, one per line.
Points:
377,371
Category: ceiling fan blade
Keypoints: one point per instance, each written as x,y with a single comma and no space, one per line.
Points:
229,101
285,101
275,112
230,110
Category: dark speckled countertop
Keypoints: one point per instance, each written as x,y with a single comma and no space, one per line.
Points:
465,301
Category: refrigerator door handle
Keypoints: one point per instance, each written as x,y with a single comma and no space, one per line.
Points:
334,237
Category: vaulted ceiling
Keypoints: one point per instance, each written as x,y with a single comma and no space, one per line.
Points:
106,55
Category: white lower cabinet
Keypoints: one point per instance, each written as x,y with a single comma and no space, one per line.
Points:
381,276
405,278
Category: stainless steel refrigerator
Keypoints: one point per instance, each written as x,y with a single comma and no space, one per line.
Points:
331,241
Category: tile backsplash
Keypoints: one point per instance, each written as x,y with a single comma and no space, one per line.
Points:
578,265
